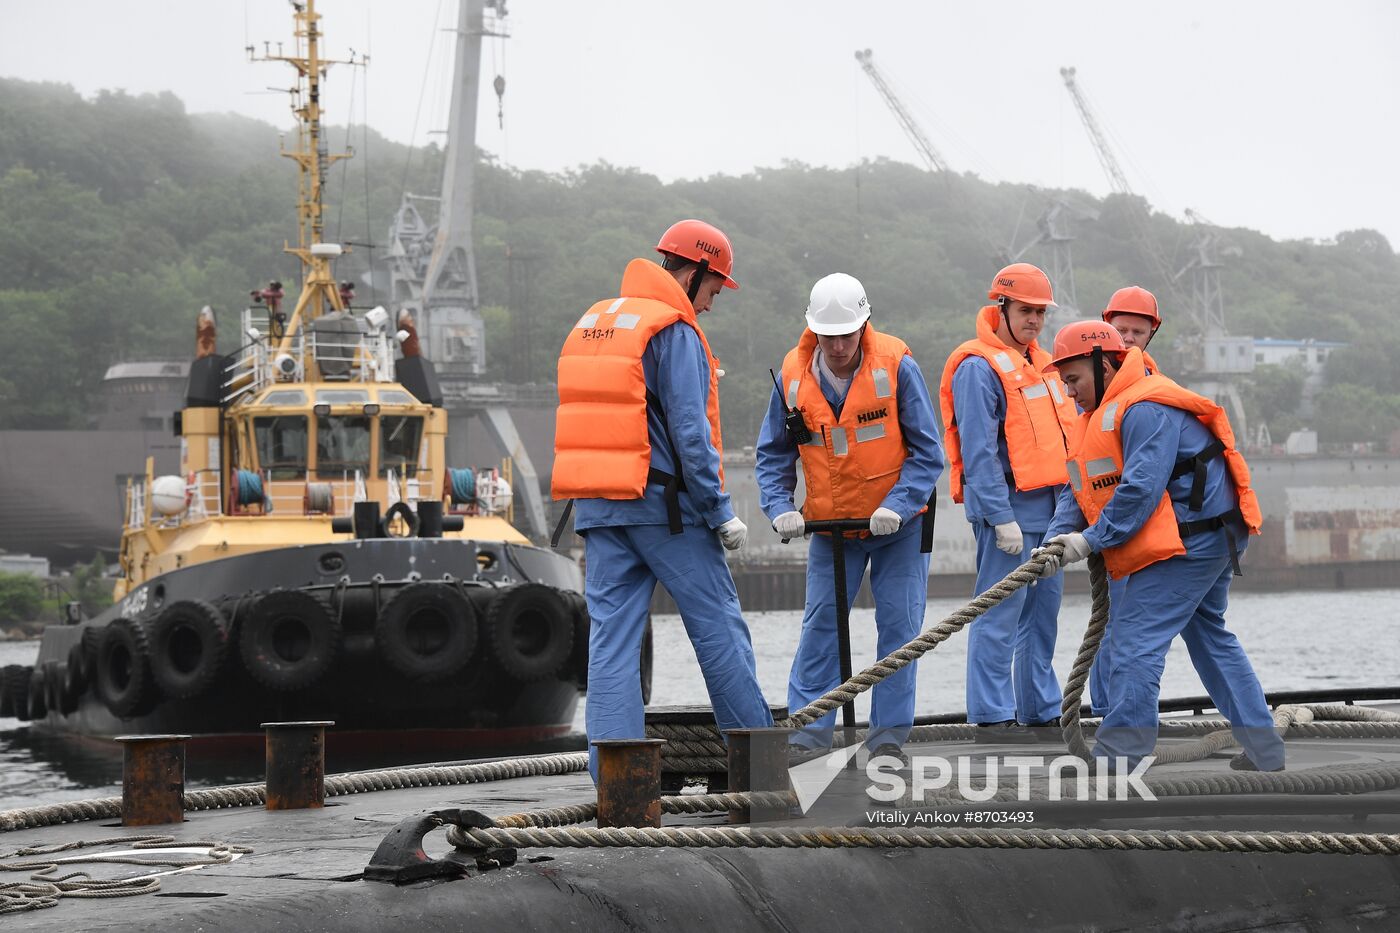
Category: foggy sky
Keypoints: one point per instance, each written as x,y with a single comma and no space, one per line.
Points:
1283,117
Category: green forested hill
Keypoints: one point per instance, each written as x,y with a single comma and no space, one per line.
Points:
120,216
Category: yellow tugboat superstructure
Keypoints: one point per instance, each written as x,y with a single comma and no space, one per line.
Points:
317,557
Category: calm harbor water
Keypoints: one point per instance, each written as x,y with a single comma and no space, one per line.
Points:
1299,640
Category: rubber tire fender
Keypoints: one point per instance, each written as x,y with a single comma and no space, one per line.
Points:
38,694
258,641
578,658
61,699
206,624
76,678
16,686
545,610
7,700
138,695
394,636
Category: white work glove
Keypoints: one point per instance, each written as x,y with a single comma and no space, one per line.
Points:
1076,547
733,534
790,525
1052,562
1009,538
885,522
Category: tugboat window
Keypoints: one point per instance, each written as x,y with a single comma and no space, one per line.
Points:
342,445
281,443
399,437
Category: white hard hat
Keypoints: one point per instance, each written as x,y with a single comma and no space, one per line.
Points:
838,305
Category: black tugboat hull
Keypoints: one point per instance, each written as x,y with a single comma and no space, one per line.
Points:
479,706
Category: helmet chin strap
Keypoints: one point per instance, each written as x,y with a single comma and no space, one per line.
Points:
699,277
1003,302
1098,376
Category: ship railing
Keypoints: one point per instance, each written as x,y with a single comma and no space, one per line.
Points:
362,358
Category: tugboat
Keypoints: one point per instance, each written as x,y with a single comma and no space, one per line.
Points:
317,558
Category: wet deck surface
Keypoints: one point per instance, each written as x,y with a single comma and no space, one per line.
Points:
314,856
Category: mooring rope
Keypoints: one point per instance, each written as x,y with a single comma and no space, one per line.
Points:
832,837
43,889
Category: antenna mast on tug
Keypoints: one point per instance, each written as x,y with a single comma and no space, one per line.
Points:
319,292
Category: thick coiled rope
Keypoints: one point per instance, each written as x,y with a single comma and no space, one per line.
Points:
688,803
338,785
831,837
1070,725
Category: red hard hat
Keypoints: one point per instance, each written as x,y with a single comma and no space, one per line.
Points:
1133,300
1081,337
696,240
1022,281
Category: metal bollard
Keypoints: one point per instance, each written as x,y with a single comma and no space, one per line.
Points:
153,779
296,764
629,782
758,761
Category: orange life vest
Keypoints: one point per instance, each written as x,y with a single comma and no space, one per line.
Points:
602,449
1039,413
851,462
1096,464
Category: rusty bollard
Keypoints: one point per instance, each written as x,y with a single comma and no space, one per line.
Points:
153,779
629,782
758,761
296,764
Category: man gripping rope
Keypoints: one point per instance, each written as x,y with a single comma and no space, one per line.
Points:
637,448
1157,486
868,446
1004,425
1132,311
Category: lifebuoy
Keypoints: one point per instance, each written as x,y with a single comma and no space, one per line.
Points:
76,673
38,695
189,641
531,631
123,672
427,631
288,640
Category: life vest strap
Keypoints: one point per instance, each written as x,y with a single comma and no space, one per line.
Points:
563,520
1186,529
1197,466
926,532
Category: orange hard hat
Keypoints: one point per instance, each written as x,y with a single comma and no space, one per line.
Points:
1022,281
1133,300
698,241
1081,338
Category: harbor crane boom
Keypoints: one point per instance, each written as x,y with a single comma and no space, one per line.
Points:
930,155
1116,178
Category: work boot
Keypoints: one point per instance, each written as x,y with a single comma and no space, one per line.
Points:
893,751
1047,731
1243,762
1006,732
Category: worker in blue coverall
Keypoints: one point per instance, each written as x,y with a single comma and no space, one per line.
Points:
1132,311
838,377
1184,594
1009,500
669,536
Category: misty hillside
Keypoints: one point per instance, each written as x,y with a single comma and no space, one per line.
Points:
120,216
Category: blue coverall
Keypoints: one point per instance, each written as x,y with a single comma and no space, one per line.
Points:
898,571
629,548
1023,626
1184,595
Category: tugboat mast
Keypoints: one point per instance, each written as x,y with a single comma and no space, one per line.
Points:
319,293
